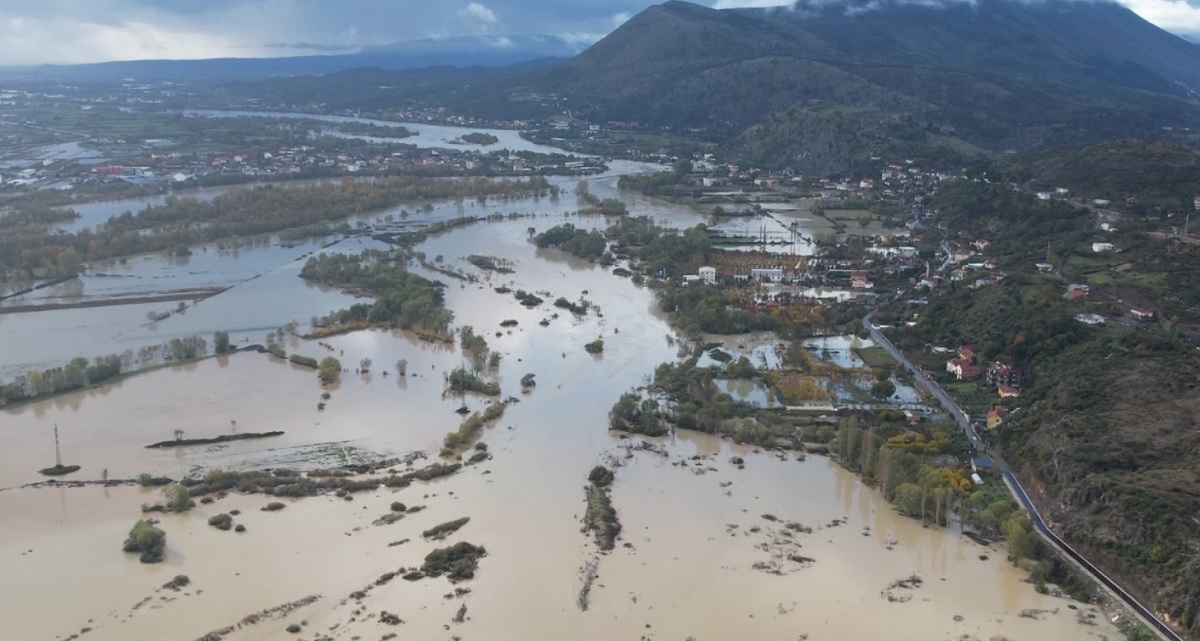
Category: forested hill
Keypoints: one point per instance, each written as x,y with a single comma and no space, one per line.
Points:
1144,176
817,87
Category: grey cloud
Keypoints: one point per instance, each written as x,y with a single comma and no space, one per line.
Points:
90,30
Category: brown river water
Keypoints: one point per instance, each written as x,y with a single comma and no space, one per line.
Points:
684,566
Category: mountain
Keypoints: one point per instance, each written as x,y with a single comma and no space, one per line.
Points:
1164,177
817,87
821,88
373,88
472,51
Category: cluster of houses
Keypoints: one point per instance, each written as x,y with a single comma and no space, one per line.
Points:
1003,377
767,274
295,161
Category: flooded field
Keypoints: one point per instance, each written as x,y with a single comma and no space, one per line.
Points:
776,548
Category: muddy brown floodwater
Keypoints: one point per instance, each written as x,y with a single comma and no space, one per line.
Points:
696,559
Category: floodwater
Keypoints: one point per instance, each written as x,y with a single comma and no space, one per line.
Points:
53,152
95,213
428,136
683,567
264,290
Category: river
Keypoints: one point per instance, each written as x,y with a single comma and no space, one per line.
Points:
428,136
694,529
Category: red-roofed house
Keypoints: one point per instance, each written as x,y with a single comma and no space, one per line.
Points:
996,415
967,353
858,280
963,370
1008,391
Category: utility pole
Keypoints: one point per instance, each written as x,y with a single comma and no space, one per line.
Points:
57,450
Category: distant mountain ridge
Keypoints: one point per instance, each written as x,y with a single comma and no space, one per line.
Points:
468,51
817,87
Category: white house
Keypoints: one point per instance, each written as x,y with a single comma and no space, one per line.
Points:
1101,202
1090,319
1044,195
1142,313
708,275
1100,248
769,274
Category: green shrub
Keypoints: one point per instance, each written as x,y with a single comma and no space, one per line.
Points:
304,360
221,521
458,562
601,476
147,540
601,518
330,370
443,530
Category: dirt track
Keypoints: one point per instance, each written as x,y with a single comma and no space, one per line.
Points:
165,297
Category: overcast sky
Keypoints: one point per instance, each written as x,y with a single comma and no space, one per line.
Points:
64,31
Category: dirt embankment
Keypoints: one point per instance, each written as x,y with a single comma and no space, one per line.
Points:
164,297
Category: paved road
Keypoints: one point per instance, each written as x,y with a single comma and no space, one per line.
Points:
1017,491
935,389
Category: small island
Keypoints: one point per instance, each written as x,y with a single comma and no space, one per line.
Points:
58,469
179,441
479,138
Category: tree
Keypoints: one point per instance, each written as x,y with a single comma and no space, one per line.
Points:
179,499
908,499
364,365
178,435
883,390
581,188
221,342
402,367
329,370
148,540
1022,544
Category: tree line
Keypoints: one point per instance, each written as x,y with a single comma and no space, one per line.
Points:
237,214
402,299
80,372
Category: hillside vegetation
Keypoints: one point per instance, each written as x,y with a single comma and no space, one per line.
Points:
1106,439
1158,174
821,88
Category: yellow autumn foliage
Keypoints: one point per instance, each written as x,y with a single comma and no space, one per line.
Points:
797,388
